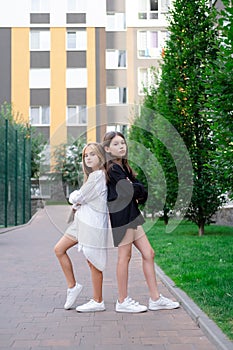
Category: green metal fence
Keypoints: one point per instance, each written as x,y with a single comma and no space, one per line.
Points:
15,174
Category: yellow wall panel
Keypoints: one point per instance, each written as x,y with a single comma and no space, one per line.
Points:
130,68
91,85
20,63
58,87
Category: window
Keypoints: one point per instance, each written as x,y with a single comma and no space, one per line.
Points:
148,44
116,95
165,4
40,115
145,79
77,40
115,22
149,9
117,127
76,6
40,6
76,77
76,115
40,40
115,59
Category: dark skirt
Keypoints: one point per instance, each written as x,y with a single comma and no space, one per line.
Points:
118,232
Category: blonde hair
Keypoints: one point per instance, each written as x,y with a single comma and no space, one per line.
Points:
97,148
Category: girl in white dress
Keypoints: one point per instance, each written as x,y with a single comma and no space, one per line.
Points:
89,229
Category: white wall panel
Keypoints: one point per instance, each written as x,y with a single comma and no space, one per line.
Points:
58,13
39,78
76,78
96,13
14,13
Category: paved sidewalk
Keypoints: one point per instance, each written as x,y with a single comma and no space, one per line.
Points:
33,291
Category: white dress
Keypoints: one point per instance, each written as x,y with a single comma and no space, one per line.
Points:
91,220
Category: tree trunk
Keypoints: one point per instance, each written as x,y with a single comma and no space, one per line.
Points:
165,218
201,227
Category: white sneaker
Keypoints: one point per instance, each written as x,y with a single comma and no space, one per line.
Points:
91,306
163,303
72,295
130,305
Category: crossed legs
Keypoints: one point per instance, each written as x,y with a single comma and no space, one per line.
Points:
60,250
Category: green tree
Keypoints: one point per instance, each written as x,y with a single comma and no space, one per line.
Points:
220,100
182,97
37,147
161,180
68,163
37,139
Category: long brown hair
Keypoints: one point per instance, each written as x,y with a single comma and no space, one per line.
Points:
99,151
108,137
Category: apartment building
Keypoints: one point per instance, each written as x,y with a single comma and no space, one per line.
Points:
76,67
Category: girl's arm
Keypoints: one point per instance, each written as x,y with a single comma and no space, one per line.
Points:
88,191
125,188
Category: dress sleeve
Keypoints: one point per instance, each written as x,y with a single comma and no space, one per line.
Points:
88,192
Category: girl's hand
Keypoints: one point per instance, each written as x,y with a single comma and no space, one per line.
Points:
128,180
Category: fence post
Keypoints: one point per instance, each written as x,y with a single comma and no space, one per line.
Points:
6,174
24,174
29,166
16,176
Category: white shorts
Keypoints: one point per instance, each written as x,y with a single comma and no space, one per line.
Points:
72,232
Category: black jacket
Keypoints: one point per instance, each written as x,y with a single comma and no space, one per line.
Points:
125,192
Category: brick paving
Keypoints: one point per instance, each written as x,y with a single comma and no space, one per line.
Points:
33,291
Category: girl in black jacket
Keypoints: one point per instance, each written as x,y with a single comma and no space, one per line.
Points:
125,192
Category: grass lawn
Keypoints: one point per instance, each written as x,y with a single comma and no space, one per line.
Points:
200,266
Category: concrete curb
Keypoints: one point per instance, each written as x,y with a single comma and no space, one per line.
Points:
212,331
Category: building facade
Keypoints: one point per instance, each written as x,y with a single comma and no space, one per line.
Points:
76,67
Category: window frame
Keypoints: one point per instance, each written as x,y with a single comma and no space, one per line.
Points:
41,40
118,93
40,108
157,49
79,108
77,47
117,52
116,27
146,13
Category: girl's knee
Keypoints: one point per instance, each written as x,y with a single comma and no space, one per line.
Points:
149,255
57,250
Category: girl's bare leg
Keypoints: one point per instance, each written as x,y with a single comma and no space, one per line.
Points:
97,282
124,256
144,247
60,250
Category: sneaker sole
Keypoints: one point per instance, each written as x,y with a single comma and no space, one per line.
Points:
93,310
164,308
131,311
70,305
